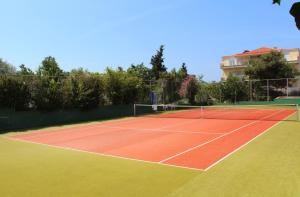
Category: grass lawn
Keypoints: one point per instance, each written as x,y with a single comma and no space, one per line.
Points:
268,166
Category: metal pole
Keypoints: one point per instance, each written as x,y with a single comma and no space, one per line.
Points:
134,109
268,90
250,89
220,95
287,87
235,96
298,117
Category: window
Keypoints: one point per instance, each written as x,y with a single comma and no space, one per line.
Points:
232,62
287,56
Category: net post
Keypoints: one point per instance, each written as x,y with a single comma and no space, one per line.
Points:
201,112
134,109
298,117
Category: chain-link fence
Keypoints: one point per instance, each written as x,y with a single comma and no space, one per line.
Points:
255,90
270,89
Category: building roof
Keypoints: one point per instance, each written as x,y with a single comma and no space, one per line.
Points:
259,51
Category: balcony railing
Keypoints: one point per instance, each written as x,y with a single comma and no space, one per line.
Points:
234,66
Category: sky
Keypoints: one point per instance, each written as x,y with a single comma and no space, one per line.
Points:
95,34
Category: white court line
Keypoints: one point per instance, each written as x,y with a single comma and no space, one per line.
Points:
102,154
229,154
161,130
219,137
70,127
106,155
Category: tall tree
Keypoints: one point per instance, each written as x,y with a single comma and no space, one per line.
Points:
157,62
48,89
183,73
49,67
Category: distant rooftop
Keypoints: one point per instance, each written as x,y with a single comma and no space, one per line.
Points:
259,51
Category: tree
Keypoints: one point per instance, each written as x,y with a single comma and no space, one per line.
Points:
14,89
140,71
215,93
6,68
189,88
182,72
121,87
14,93
234,89
157,62
50,67
48,87
295,11
270,66
25,71
86,89
203,96
167,86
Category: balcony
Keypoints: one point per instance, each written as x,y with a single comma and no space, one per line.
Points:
241,66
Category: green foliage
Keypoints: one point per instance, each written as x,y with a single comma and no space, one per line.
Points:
183,72
270,66
14,93
14,89
47,93
157,62
6,68
121,87
50,67
203,95
25,71
295,12
214,90
189,89
48,86
234,89
140,71
86,89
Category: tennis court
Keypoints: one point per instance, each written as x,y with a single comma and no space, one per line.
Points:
188,137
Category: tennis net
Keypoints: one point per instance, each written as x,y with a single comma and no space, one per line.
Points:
276,112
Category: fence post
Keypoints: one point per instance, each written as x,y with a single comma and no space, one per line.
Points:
287,87
250,89
220,95
268,90
235,96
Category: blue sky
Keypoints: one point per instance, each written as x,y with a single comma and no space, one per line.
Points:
94,34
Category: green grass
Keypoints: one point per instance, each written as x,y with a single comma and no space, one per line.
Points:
268,166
